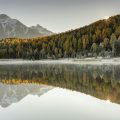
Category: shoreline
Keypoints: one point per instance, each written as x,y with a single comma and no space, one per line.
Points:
84,61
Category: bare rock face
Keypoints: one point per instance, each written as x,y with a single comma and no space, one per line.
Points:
13,28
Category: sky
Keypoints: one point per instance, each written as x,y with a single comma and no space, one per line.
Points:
59,15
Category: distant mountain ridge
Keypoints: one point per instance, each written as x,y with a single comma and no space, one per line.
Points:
13,28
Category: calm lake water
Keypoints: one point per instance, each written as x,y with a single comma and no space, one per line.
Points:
59,92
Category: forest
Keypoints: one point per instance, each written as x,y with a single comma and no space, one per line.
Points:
99,39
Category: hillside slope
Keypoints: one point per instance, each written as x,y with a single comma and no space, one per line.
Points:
101,38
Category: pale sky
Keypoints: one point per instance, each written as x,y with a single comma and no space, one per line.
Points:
59,15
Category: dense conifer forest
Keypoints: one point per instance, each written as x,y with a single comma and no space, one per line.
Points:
101,38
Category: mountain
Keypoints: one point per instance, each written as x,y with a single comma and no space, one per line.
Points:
14,93
41,30
13,28
101,38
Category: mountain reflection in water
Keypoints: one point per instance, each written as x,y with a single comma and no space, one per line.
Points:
14,93
102,82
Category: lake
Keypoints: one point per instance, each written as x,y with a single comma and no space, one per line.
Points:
59,92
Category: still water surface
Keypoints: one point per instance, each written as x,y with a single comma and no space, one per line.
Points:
59,92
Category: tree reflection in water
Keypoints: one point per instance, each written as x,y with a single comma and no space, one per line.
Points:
102,82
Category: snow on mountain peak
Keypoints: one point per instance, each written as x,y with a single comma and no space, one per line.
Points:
3,16
13,28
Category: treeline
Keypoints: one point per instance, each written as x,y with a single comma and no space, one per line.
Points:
101,38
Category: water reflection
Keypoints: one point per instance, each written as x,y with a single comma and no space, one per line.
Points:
102,82
10,94
61,104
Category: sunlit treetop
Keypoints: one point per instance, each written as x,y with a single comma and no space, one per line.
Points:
106,17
